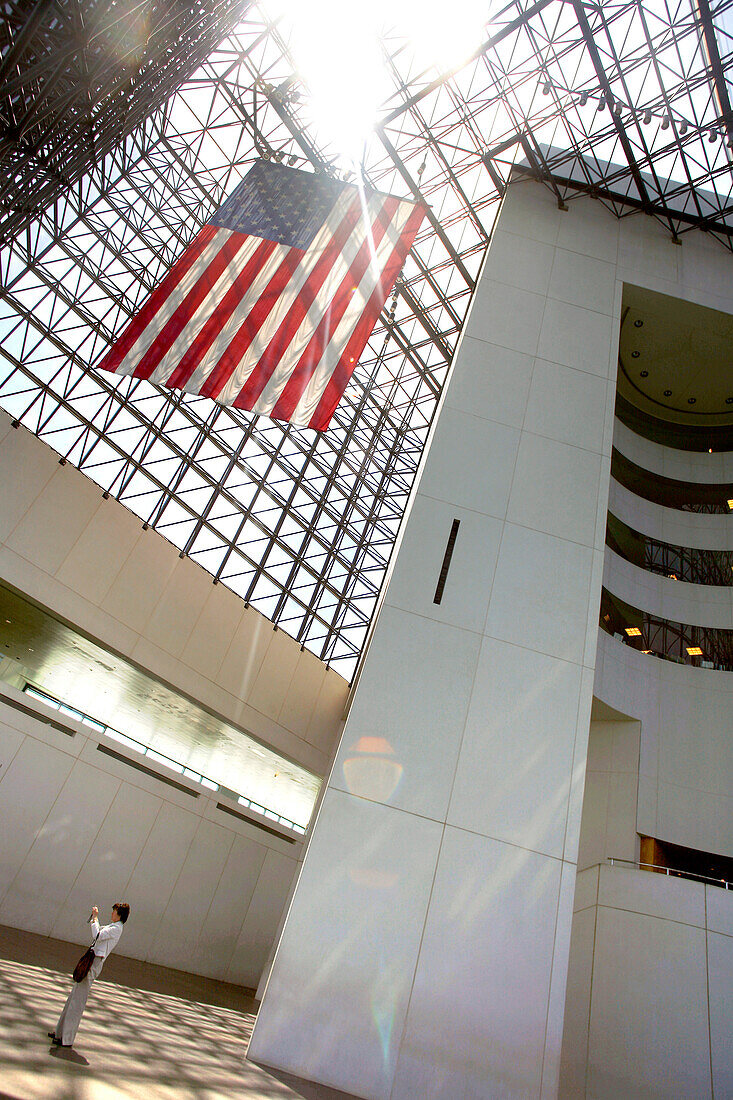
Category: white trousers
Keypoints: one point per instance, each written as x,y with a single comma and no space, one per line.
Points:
73,1010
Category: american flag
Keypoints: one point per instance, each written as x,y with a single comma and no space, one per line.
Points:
271,305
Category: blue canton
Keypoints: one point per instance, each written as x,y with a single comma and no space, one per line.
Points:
279,204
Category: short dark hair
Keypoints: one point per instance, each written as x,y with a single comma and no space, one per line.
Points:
122,909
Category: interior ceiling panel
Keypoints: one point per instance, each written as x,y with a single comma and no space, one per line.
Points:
625,100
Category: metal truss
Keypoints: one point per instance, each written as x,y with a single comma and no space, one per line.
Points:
625,100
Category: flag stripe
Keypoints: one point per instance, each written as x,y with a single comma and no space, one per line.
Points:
320,307
189,305
220,315
238,361
308,363
289,326
373,281
226,367
343,370
237,319
140,321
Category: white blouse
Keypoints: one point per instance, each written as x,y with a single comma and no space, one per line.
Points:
109,937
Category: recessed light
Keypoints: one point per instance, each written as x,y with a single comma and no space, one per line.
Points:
638,324
694,650
643,373
691,400
729,400
633,631
635,354
667,393
730,505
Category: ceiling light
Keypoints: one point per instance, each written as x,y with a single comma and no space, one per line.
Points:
546,87
643,373
635,354
712,136
694,650
633,631
730,505
618,107
583,99
638,323
665,122
683,128
667,393
691,400
729,400
646,117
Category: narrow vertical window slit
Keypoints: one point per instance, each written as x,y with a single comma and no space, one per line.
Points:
446,561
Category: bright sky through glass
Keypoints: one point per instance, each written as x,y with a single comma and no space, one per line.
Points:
340,53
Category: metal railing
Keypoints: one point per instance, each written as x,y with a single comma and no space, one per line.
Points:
721,883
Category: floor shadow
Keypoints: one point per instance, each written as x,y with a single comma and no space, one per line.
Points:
68,1054
308,1090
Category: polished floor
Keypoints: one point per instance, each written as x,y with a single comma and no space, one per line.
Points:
148,1033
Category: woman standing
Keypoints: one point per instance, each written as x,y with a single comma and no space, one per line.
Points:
105,939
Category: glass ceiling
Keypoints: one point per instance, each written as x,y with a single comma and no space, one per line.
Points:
628,101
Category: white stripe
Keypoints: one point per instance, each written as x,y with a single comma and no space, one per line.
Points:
286,300
165,311
237,319
313,392
321,303
197,320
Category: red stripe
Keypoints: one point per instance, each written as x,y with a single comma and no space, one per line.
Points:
220,315
311,357
344,368
231,358
141,320
278,345
186,309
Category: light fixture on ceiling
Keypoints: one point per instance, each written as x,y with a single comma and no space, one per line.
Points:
583,99
665,122
643,373
712,135
694,650
667,393
638,323
691,400
635,354
546,87
730,504
646,117
682,128
729,400
633,631
601,103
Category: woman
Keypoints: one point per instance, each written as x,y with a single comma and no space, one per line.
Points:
105,939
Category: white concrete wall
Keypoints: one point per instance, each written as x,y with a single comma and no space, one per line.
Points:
686,756
608,822
89,562
649,989
425,951
80,828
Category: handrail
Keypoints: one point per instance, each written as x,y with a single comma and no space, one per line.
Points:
721,882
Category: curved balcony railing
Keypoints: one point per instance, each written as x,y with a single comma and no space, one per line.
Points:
686,496
678,563
700,646
671,871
